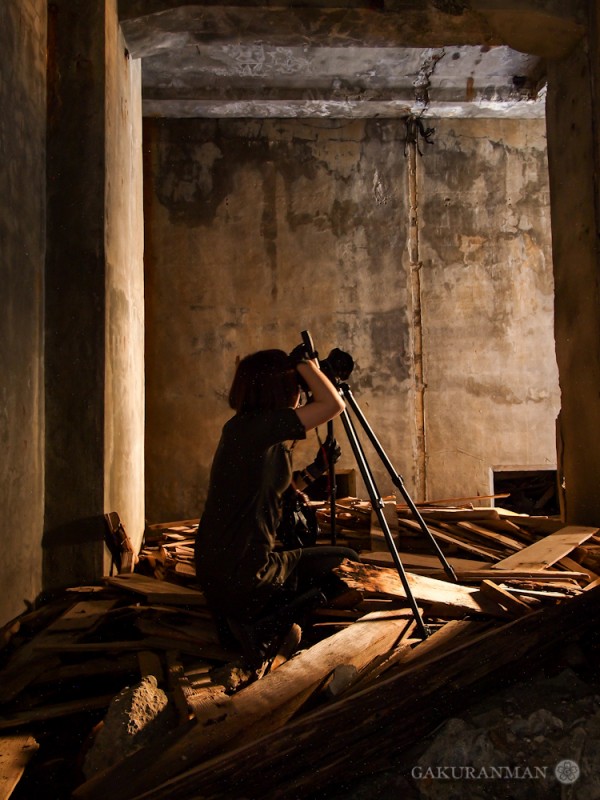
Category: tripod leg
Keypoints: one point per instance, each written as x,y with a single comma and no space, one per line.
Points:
377,504
396,479
332,488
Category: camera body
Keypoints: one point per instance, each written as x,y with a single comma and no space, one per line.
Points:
337,366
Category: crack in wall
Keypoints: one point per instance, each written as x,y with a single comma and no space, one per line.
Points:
417,323
423,80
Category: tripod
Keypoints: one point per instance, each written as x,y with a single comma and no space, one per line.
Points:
374,495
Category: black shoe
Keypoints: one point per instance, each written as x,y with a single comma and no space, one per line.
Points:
250,640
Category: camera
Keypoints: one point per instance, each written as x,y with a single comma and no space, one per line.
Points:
338,365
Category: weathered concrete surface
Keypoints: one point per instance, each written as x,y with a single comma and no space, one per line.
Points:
350,60
574,159
75,279
94,361
551,27
22,251
256,231
124,246
491,396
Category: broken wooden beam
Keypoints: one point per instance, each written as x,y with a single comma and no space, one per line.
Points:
262,707
326,745
448,598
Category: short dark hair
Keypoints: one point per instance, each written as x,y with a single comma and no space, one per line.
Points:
263,381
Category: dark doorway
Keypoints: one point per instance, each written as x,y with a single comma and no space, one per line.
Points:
531,492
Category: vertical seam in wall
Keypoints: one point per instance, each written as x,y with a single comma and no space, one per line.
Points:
417,323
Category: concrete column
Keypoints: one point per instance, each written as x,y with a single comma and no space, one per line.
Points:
22,251
574,164
85,334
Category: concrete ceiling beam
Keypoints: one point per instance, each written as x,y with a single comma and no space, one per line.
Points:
338,109
549,29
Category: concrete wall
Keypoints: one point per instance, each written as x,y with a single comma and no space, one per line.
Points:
256,230
22,250
491,396
574,158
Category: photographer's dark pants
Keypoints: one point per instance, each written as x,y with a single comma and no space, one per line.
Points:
311,584
315,569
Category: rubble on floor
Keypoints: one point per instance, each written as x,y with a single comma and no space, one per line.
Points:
132,677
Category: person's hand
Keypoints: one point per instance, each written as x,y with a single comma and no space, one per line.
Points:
328,453
298,354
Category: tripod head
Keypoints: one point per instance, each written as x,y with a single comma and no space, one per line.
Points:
337,366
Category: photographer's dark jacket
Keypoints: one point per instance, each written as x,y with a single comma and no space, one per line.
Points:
235,560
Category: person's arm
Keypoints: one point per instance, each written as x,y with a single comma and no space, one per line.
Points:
326,402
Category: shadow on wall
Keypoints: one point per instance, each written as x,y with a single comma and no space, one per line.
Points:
74,554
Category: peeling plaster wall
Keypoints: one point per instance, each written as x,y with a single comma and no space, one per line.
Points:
22,250
491,396
254,232
257,230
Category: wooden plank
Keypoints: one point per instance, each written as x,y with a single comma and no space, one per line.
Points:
327,745
156,591
466,502
538,594
497,538
201,632
183,542
572,565
512,604
179,686
346,680
449,598
122,664
263,706
186,569
542,526
558,576
15,753
55,711
456,514
83,615
38,655
150,663
192,698
506,526
494,550
181,523
442,640
549,550
414,561
445,533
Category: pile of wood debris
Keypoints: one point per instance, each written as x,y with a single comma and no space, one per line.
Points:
364,683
